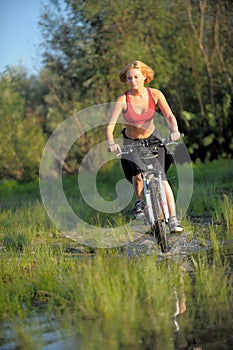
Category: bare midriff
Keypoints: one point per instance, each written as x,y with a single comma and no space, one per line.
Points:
139,131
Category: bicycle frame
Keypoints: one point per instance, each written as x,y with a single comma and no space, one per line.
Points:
157,211
156,208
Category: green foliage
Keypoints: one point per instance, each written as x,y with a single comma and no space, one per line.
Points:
21,135
86,43
132,300
224,212
122,298
15,242
212,181
187,44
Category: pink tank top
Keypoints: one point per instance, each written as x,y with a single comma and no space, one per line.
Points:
132,117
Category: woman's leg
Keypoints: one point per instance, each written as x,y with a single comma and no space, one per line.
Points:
170,198
173,222
139,205
138,186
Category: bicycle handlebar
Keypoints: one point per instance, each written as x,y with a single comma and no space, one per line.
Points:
169,142
146,143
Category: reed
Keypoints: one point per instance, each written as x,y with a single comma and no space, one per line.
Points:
211,182
130,301
224,210
132,298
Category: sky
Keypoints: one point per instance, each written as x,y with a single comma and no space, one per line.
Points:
20,35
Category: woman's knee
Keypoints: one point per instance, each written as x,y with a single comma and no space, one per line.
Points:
137,178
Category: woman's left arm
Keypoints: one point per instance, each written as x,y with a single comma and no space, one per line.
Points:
168,115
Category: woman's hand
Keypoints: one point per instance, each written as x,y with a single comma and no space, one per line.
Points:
175,135
114,147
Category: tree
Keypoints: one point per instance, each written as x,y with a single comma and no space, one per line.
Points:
188,43
22,139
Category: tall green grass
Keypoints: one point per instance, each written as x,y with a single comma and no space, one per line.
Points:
224,210
136,296
212,181
131,301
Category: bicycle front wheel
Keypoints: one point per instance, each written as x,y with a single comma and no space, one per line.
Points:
160,222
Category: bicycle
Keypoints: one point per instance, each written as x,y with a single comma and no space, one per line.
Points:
157,212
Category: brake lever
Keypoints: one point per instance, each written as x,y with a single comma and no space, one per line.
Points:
126,152
169,142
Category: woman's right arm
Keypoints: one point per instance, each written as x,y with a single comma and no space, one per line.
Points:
117,109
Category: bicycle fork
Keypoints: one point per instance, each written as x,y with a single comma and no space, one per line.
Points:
147,195
163,198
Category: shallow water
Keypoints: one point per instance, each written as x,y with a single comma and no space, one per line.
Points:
179,245
193,325
187,333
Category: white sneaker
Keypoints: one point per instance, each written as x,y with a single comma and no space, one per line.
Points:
138,210
175,225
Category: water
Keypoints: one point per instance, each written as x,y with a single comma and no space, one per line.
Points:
195,322
187,334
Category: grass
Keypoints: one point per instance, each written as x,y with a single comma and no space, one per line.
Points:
212,181
224,211
136,296
126,301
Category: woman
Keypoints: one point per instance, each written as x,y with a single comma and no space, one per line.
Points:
138,106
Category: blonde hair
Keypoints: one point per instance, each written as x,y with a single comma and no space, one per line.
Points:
144,68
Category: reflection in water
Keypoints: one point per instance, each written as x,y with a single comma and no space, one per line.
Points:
162,307
203,317
180,309
181,342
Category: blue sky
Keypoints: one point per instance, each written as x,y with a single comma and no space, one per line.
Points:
20,35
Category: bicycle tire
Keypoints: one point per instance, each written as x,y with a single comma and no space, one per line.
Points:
160,222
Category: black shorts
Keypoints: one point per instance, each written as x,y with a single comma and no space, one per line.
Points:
132,168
